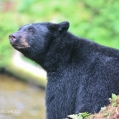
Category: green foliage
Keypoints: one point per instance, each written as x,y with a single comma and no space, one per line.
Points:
114,97
83,115
106,114
113,100
95,20
6,26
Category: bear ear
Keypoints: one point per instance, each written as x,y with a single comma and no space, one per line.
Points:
63,26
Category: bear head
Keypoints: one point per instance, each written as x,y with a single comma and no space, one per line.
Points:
34,39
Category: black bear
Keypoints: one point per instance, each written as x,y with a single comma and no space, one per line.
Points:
82,74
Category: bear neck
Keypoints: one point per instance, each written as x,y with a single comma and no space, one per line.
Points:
67,50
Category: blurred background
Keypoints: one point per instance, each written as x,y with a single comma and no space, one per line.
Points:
22,82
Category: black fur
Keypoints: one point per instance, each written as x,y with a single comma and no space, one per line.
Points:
82,74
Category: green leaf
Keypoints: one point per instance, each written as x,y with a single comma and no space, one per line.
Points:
106,114
114,104
114,97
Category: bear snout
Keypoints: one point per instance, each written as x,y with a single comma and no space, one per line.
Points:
18,40
12,38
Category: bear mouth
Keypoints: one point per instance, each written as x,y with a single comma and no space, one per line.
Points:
16,46
19,47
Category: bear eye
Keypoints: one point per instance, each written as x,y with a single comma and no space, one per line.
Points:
31,30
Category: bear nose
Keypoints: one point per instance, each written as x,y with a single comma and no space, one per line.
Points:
12,38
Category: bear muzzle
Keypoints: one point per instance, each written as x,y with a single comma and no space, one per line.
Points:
18,41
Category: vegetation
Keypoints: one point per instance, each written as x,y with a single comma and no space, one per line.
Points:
109,112
95,20
84,115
